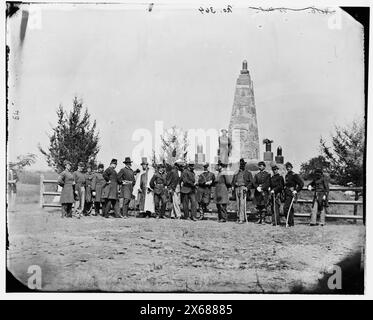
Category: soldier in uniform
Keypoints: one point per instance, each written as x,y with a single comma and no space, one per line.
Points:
126,177
242,183
173,186
261,184
12,188
276,187
88,191
158,186
67,182
80,183
110,191
98,183
222,183
188,191
320,184
293,184
205,181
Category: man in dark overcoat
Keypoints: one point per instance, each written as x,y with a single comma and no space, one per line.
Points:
276,187
293,185
158,186
126,177
320,185
66,181
98,183
188,191
205,182
88,191
110,191
261,184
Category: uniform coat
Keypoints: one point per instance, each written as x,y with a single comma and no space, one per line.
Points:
277,183
88,186
98,184
321,186
173,179
188,180
222,183
261,179
66,181
126,178
110,191
204,190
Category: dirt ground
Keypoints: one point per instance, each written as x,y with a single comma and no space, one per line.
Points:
149,255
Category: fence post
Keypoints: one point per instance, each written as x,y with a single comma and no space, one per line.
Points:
355,205
41,190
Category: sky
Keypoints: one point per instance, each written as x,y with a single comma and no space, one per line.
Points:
132,67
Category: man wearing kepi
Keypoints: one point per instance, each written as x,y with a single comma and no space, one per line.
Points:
173,186
242,183
158,186
80,183
277,184
222,183
110,191
126,177
293,184
205,181
320,184
98,183
188,190
66,181
261,184
88,190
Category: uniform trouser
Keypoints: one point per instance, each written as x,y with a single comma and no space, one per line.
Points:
204,201
222,211
176,211
124,204
275,207
160,202
318,207
111,203
88,207
97,207
288,200
241,202
66,209
189,197
79,204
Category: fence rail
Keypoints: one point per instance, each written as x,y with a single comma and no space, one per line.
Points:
355,203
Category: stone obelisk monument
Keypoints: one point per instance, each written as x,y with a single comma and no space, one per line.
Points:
243,126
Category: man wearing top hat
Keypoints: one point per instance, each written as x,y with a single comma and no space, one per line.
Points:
173,185
158,186
188,191
205,181
80,182
261,184
242,183
276,187
293,184
110,191
320,185
126,177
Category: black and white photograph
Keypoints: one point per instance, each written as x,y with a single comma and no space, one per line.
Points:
209,147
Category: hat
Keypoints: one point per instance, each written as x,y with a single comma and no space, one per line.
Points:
179,162
191,163
206,165
318,170
275,168
115,161
127,160
223,130
66,162
100,166
242,161
144,160
160,165
288,164
80,164
261,163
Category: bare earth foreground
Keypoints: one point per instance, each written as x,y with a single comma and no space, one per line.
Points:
149,255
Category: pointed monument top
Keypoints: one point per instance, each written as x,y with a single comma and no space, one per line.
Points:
244,67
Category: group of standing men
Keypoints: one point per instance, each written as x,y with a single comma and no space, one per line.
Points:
187,193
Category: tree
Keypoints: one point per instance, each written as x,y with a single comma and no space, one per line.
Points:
22,161
307,168
174,146
73,138
346,154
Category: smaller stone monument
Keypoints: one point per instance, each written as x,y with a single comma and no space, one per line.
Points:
279,158
200,156
268,154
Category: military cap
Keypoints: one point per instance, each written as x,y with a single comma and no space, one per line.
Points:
261,163
275,168
191,163
115,161
206,165
100,166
